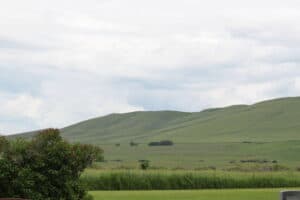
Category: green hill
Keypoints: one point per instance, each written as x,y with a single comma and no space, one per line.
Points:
275,120
267,130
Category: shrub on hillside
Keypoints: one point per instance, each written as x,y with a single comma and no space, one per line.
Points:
45,168
133,144
144,164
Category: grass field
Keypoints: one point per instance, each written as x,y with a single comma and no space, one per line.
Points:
192,156
248,194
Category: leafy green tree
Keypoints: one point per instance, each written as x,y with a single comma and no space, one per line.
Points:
47,167
3,144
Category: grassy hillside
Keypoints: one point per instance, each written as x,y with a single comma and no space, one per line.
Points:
267,130
275,120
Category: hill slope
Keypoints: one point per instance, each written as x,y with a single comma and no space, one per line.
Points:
275,120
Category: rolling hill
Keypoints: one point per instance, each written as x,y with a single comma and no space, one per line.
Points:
266,130
274,120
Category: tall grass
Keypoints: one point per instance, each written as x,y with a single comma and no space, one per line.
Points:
168,180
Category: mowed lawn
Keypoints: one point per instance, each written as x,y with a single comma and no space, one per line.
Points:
235,194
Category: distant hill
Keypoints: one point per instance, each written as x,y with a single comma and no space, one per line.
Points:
274,120
266,132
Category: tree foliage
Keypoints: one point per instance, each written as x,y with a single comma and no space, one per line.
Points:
47,167
144,164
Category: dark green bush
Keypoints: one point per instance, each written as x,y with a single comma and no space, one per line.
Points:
45,168
161,143
144,164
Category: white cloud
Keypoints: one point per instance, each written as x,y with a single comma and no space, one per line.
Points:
16,110
66,61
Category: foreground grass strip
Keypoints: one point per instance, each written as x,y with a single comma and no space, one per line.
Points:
232,194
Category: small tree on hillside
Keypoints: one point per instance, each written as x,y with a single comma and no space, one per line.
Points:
144,164
133,144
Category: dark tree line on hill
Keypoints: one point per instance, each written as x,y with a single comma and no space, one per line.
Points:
45,168
162,143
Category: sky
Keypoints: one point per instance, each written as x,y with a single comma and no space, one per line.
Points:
63,61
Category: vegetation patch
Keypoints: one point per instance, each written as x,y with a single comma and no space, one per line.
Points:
45,168
179,180
162,143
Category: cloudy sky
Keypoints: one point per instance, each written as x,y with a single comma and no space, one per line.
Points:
63,61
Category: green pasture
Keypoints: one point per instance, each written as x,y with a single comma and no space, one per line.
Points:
199,155
244,194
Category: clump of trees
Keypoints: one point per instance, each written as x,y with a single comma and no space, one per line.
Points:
162,143
44,168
